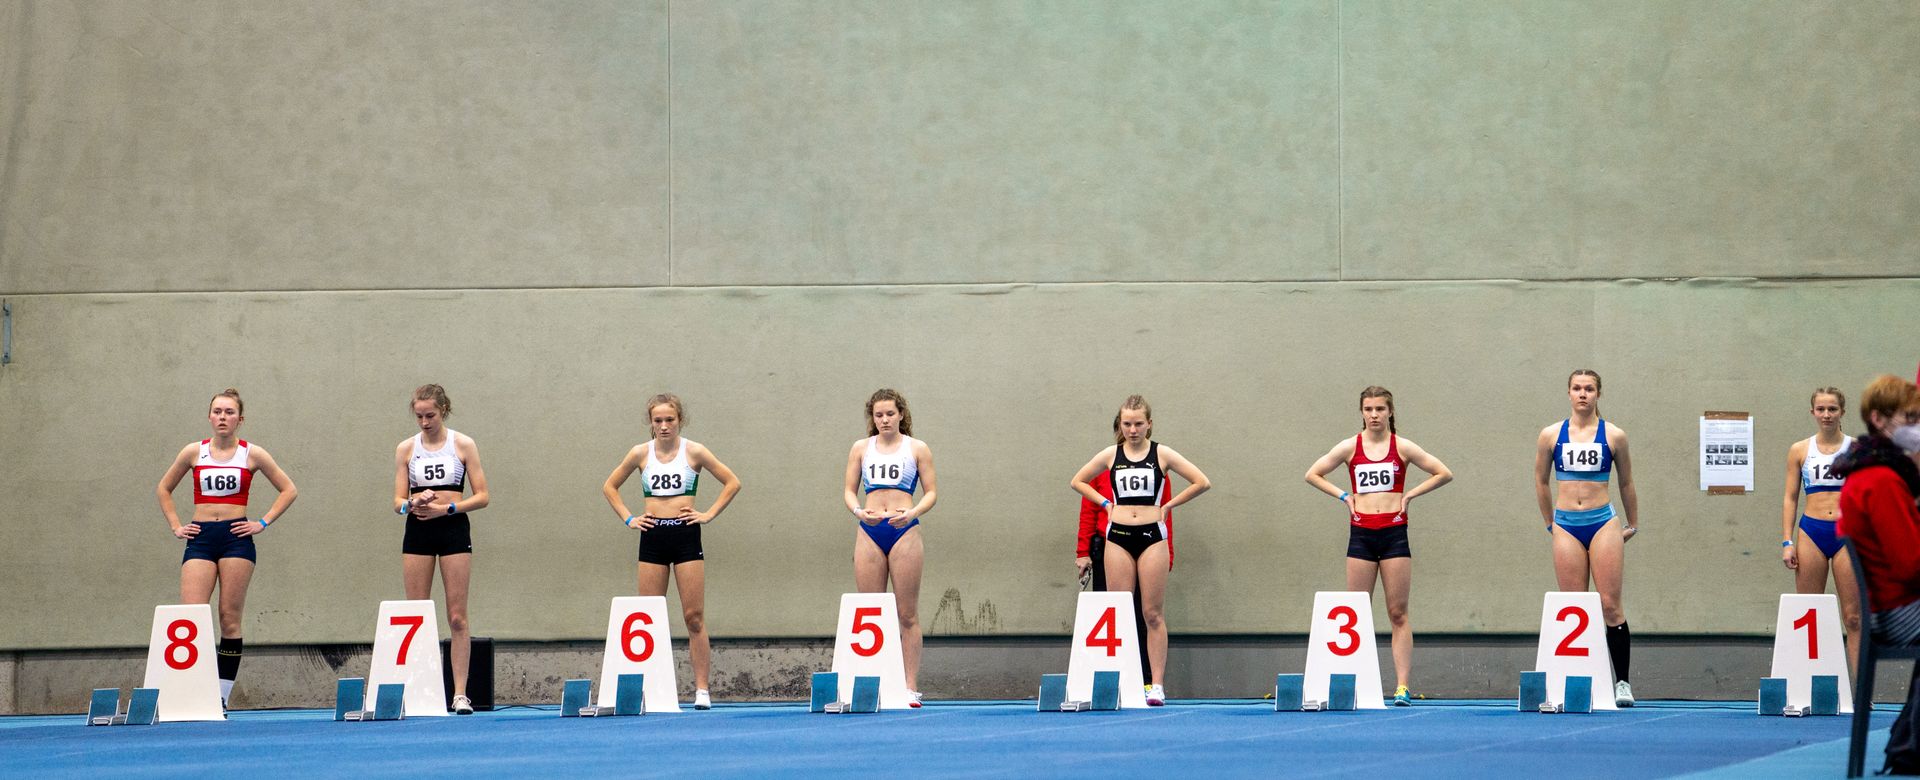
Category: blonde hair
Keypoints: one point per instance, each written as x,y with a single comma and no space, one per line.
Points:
436,394
239,405
1376,391
1832,391
667,399
899,402
1887,394
1132,402
1579,372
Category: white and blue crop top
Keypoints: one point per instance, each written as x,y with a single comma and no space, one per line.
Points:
672,478
1590,461
1816,471
896,470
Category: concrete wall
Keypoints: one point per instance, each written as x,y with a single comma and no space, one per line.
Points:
1015,212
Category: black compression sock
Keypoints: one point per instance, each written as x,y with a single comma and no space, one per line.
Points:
1620,649
229,658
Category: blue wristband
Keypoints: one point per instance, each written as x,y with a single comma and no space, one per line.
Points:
1106,502
1787,543
629,521
264,523
1343,497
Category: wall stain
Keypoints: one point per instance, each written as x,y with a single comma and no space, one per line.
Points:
951,616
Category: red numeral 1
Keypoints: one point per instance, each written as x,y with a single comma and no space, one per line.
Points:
1111,641
1813,634
176,641
412,622
627,633
1566,647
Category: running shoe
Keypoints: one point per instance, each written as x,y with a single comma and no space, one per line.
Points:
1622,694
462,705
914,702
701,700
1156,696
1401,697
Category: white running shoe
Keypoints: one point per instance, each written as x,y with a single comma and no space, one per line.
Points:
462,705
1156,696
702,701
1622,694
915,701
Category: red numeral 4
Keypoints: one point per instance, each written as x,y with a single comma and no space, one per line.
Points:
1111,641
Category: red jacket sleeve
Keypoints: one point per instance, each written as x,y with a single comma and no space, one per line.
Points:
1878,513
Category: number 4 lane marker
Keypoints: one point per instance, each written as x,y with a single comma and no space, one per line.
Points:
1105,639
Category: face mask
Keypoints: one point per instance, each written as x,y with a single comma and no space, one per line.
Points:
1907,437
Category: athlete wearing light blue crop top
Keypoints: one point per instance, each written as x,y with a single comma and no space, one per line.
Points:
1585,453
1811,546
883,471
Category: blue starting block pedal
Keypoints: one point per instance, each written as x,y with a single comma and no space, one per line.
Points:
1287,692
629,698
1533,691
1053,692
866,695
104,708
350,698
1106,690
1340,691
826,691
143,707
390,702
1826,694
1773,696
1579,695
574,697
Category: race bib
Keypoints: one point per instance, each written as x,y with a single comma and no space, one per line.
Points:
432,471
1134,483
1580,457
223,481
1373,478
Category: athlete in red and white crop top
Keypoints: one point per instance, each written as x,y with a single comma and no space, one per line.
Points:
1377,543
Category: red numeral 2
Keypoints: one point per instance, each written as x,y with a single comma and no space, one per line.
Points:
1566,647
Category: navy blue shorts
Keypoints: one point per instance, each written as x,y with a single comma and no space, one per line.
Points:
216,541
1378,544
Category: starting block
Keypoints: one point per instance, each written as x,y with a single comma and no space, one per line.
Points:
574,697
629,698
1053,692
1533,691
826,692
1826,695
349,703
1773,696
1579,695
1340,691
1287,692
1106,694
104,708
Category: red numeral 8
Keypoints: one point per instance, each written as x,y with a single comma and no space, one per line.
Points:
174,640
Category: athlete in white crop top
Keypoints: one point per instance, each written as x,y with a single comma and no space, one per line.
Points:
670,466
1136,544
220,538
432,470
883,470
1810,544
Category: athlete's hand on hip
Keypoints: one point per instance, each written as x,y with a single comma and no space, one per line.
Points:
187,531
643,522
247,528
1788,557
690,515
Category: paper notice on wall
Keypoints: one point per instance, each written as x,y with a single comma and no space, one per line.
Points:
1726,452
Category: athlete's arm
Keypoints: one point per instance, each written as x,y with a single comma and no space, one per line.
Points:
611,488
263,463
1196,482
702,458
851,495
1542,471
401,501
1317,474
923,458
182,463
1080,482
1790,506
1437,472
1617,438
